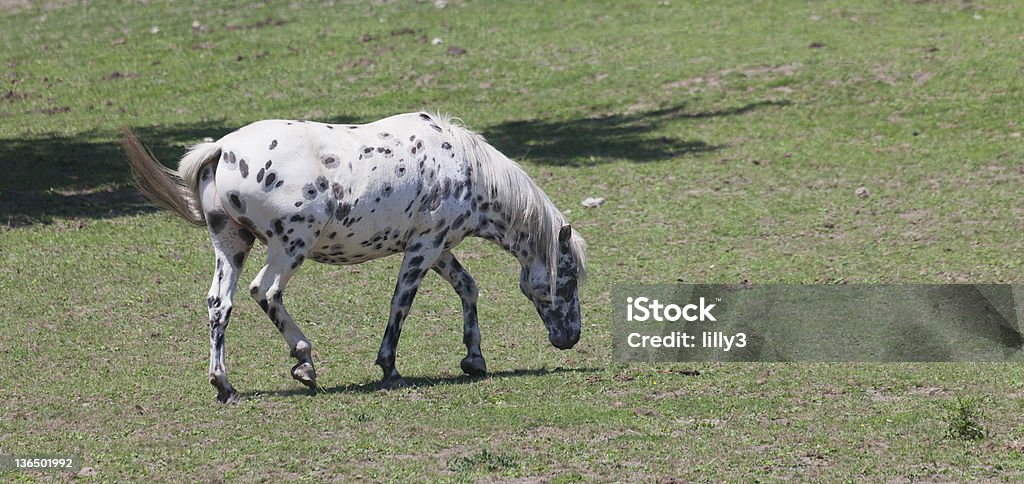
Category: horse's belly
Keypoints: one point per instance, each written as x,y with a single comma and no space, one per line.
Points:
342,253
360,237
340,256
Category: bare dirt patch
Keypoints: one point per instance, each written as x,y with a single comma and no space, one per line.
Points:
716,79
14,96
928,391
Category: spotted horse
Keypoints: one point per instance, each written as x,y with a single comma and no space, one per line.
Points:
345,194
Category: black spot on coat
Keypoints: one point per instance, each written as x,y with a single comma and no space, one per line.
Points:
236,201
458,222
247,236
309,191
342,211
406,298
216,220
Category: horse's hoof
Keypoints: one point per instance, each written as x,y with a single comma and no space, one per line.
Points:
225,392
305,374
394,383
228,397
474,366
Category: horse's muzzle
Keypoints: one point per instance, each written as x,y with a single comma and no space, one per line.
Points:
564,340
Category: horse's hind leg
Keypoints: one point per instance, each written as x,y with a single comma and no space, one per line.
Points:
268,290
231,244
456,275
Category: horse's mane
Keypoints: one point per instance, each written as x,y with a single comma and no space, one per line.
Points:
530,208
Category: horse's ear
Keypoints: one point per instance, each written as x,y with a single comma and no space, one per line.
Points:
565,234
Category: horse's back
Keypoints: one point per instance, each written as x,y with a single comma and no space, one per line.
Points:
362,191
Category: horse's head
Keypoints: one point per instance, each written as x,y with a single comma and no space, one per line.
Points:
560,309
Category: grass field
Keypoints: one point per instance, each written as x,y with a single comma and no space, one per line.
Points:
770,141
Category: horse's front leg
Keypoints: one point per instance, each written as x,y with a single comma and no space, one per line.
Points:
419,257
449,268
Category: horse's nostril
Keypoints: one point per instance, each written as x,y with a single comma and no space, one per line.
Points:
564,341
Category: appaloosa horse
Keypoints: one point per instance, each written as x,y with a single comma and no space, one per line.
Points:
345,194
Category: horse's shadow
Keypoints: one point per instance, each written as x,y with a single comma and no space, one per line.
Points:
600,139
415,382
84,175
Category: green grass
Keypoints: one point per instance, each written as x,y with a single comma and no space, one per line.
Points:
729,139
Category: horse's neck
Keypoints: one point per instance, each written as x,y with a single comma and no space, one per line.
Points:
498,227
496,220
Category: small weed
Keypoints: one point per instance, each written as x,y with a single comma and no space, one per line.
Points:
964,417
484,460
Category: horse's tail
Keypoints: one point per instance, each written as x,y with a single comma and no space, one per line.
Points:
176,191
